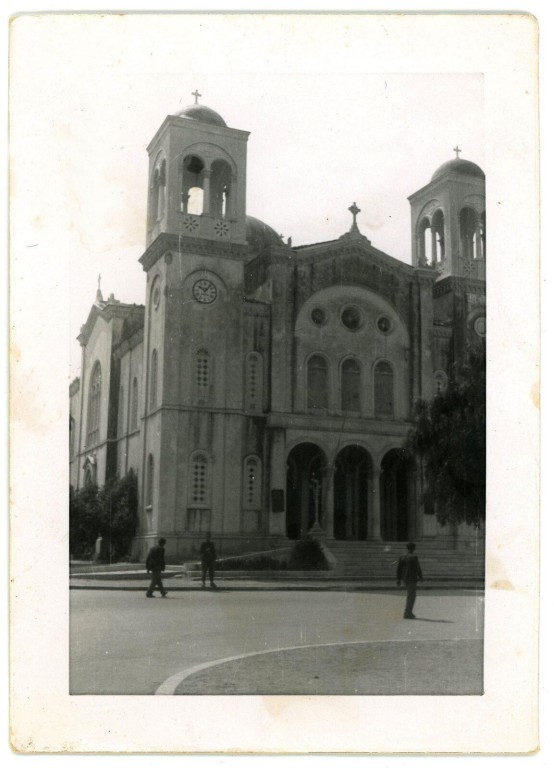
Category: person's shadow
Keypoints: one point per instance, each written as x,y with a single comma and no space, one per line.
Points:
435,621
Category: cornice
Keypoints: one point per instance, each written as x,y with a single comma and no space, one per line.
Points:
186,244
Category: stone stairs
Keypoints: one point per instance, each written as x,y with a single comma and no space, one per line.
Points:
377,560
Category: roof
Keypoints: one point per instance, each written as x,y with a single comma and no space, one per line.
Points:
202,114
460,167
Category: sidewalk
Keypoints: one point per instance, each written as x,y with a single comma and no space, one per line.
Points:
178,583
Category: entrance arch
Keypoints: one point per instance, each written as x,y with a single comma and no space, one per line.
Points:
398,497
353,472
305,474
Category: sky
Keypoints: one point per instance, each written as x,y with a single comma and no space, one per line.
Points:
324,132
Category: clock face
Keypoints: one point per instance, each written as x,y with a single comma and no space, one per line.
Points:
204,291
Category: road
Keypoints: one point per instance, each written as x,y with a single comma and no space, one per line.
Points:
122,643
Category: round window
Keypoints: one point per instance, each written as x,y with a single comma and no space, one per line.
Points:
318,316
351,318
384,324
480,326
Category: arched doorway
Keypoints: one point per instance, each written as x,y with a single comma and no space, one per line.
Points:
352,479
398,519
305,473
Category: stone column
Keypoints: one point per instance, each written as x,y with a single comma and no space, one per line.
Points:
278,481
375,522
231,204
206,188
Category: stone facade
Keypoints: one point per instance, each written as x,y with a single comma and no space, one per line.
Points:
266,391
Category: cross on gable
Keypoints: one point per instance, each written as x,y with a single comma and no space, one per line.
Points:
354,210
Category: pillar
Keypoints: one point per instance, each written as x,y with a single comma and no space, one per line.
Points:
278,481
478,241
206,189
433,246
329,504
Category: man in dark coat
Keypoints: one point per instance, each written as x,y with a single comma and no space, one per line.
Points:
207,556
409,571
155,564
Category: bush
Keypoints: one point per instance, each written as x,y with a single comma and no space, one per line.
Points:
307,555
84,521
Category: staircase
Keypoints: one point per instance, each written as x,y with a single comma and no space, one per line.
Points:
377,560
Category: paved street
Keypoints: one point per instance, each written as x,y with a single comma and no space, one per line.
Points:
311,642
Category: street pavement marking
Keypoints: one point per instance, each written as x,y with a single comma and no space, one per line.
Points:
169,686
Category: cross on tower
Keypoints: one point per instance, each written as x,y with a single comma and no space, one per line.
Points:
196,95
457,150
354,210
99,279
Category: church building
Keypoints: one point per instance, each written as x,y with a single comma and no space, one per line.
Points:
265,391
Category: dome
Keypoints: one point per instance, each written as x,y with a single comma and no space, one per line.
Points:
459,166
202,114
260,236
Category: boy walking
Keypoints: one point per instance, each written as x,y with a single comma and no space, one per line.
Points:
155,564
409,571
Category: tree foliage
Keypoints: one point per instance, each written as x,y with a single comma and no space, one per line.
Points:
110,512
450,438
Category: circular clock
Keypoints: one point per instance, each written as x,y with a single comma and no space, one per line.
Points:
204,291
480,326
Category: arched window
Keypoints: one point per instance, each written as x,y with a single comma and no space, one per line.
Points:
202,372
384,389
149,497
252,483
253,390
94,405
154,380
199,480
317,389
157,193
134,404
350,386
220,189
471,243
424,243
121,413
192,194
438,241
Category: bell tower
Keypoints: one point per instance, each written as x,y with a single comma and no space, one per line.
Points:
197,177
449,221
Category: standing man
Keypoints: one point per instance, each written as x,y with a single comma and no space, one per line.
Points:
207,555
409,571
155,564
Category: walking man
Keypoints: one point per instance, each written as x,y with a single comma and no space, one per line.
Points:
409,571
207,555
155,564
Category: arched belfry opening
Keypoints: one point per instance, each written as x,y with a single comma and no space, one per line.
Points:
221,182
353,471
398,497
192,190
305,477
431,240
469,234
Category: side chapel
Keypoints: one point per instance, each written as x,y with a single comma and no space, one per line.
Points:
265,391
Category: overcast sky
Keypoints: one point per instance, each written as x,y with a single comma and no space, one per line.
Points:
327,128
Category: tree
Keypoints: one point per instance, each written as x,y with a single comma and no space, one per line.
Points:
118,502
84,521
450,438
110,512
